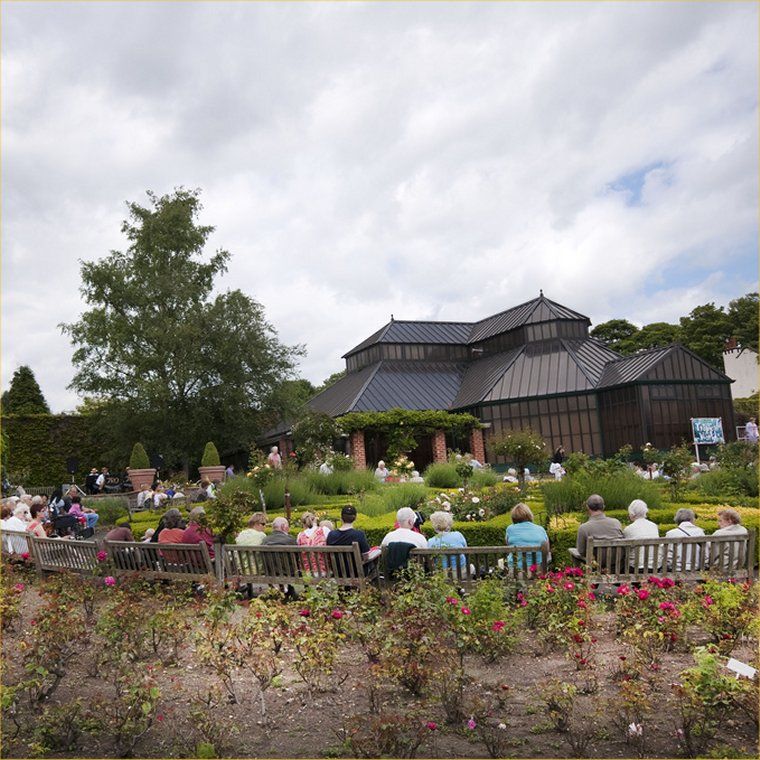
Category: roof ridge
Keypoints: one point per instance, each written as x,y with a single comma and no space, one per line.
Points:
644,352
364,385
578,362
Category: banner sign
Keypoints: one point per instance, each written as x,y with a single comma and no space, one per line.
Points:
707,430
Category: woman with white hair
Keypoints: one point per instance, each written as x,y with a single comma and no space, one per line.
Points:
381,473
445,538
640,527
685,520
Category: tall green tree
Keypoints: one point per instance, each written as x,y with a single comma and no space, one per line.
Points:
24,396
172,366
705,331
616,334
743,315
653,335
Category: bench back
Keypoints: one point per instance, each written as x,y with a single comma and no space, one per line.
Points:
687,558
15,543
464,567
190,562
281,565
64,554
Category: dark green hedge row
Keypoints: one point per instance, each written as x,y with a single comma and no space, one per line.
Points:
41,443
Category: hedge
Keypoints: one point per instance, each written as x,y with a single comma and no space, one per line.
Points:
41,444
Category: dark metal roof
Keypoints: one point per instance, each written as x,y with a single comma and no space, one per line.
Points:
592,355
540,309
340,397
403,331
411,385
673,362
482,375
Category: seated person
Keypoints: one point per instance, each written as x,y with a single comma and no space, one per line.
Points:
325,468
39,516
416,478
312,535
120,533
406,519
685,520
159,496
280,535
445,538
381,473
170,530
511,476
196,531
145,498
77,510
640,527
524,532
11,521
254,534
598,525
346,535
721,556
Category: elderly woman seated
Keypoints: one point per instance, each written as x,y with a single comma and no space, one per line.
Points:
725,556
445,538
679,560
524,532
640,527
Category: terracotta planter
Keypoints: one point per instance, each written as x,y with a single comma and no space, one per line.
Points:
213,474
142,479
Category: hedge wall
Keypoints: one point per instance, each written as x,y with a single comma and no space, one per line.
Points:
41,444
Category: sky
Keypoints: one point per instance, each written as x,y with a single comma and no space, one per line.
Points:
438,161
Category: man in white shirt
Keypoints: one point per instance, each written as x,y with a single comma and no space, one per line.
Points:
405,518
101,481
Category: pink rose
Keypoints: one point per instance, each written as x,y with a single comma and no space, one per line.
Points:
466,611
569,586
109,580
643,594
337,614
19,587
305,613
25,555
471,724
432,725
102,556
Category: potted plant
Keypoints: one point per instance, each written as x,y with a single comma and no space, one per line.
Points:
141,474
211,468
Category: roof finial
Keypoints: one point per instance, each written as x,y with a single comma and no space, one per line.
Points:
391,317
540,292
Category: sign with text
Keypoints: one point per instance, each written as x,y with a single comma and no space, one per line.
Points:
707,430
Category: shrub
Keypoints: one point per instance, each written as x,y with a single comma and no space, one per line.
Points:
138,460
618,491
404,495
210,456
228,512
523,448
373,505
347,482
729,481
442,475
109,509
300,492
484,479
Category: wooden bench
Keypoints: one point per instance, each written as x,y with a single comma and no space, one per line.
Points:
288,565
15,543
690,558
157,561
64,555
480,562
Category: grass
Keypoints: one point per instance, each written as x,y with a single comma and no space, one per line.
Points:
442,475
341,482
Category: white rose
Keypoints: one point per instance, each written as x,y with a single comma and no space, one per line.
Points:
502,726
475,500
482,512
447,505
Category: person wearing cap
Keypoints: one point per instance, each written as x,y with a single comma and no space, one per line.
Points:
346,534
196,531
254,534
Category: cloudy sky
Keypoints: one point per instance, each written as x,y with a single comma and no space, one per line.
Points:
434,161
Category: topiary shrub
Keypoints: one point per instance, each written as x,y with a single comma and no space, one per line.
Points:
210,456
138,460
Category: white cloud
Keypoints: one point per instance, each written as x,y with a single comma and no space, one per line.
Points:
431,161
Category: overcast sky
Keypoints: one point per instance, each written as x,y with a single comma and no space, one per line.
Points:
434,161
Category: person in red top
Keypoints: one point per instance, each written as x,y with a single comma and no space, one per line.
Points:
196,531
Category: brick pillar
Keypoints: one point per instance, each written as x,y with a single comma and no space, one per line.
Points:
477,445
357,450
439,446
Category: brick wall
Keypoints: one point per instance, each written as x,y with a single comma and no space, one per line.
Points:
357,450
477,445
439,446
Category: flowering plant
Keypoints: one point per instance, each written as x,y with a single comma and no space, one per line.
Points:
402,466
464,505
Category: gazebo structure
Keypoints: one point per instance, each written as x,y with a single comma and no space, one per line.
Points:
531,366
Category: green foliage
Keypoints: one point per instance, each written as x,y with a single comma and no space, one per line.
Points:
743,315
442,475
138,459
745,408
109,508
40,445
523,448
340,462
732,481
483,478
676,464
614,333
737,454
618,491
175,365
421,421
705,331
300,492
228,513
392,498
24,395
210,456
345,482
313,435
